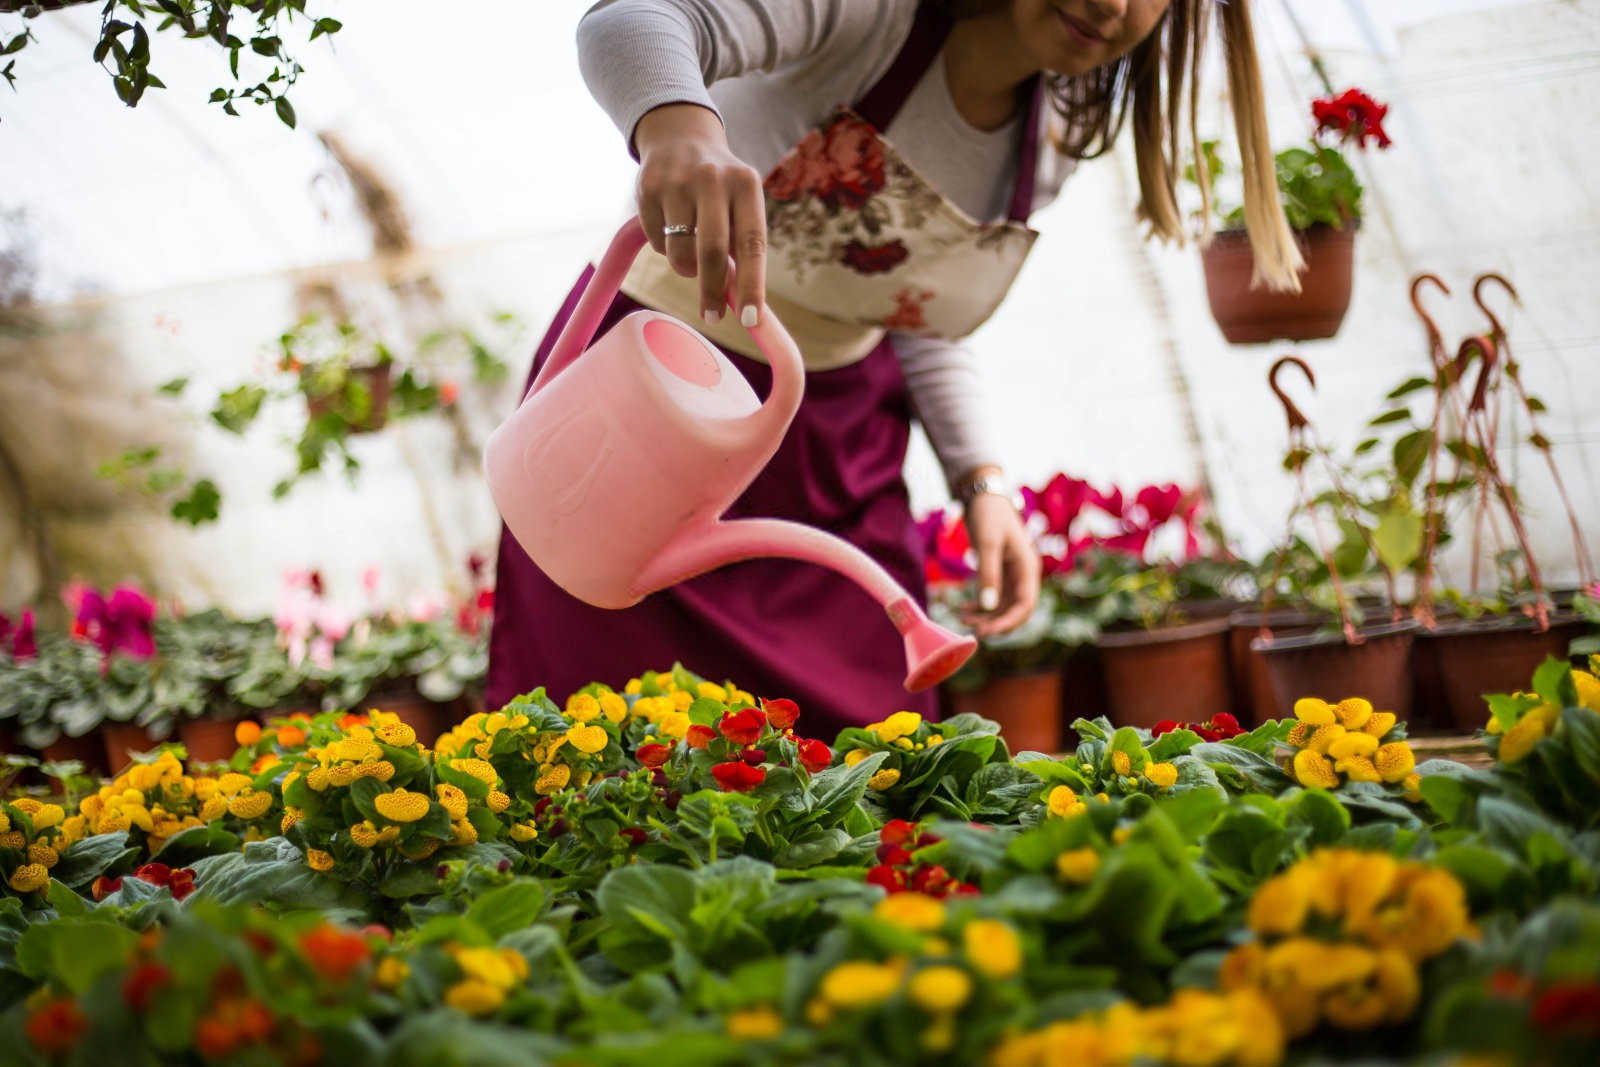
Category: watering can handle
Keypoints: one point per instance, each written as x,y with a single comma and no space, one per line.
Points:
771,338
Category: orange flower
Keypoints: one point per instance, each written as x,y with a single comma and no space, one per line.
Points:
291,736
335,953
247,732
232,1022
55,1025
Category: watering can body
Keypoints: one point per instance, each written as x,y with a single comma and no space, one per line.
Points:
614,471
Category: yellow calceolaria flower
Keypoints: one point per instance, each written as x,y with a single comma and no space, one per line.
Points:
497,801
110,822
674,724
342,774
1300,733
1388,994
364,834
48,815
1120,835
250,804
681,699
711,690
1164,775
1413,786
43,855
553,779
232,782
319,860
1122,763
588,739
753,1024
1522,737
855,756
502,968
29,877
992,947
581,707
29,806
1395,761
613,707
1323,738
392,972
401,805
1078,865
1358,769
417,852
291,818
452,799
917,912
210,811
634,687
5,820
940,988
884,779
482,770
1357,744
1281,903
859,984
473,997
1314,771
900,724
464,833
1380,724
1063,801
356,749
1588,687
1353,713
381,769
523,832
397,735
388,835
1314,711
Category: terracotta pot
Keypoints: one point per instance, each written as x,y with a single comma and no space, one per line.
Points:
427,718
377,380
1322,665
1470,658
89,750
1027,707
1254,316
208,740
122,739
1252,683
1083,687
1173,672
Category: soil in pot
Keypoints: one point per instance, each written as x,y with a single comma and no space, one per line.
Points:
208,740
1324,665
1470,658
1254,316
1252,683
428,718
122,740
1027,707
1172,672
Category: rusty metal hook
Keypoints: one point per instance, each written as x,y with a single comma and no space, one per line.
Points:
1435,335
1477,298
1490,352
1297,419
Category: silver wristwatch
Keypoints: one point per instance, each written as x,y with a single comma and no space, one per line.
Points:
988,483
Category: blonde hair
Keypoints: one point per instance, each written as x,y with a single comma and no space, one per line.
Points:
1095,105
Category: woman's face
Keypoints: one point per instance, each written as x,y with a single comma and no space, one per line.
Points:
1075,36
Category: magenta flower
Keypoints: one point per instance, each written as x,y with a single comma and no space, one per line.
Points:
1060,502
18,637
121,624
944,548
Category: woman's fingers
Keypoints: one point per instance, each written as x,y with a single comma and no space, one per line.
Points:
750,244
1021,586
712,243
679,210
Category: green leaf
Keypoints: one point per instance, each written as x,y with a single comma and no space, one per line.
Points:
1398,538
202,504
507,908
649,899
74,951
173,387
1395,415
1407,387
91,857
1410,454
1553,682
1321,813
325,25
183,848
1582,728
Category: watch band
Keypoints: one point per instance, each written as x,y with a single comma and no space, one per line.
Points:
988,483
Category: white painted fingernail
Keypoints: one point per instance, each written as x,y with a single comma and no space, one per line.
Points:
988,599
748,316
713,316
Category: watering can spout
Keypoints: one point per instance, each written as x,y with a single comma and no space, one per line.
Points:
932,652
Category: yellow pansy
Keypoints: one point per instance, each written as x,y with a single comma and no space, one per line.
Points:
941,988
1078,865
858,984
992,947
913,911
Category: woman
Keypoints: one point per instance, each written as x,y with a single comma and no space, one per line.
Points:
869,167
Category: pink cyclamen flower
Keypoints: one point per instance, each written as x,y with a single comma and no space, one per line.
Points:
18,637
1060,502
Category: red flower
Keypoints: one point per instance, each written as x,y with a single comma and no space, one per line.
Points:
334,953
887,878
814,755
154,873
653,754
897,832
19,636
700,736
1354,115
142,984
378,930
103,887
743,727
633,835
448,393
855,158
893,855
874,259
1165,726
933,880
181,883
753,756
1569,1006
55,1026
738,777
1510,984
965,889
781,713
121,624
1225,725
1061,501
944,548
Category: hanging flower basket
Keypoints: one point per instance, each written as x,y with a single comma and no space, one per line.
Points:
1260,315
376,380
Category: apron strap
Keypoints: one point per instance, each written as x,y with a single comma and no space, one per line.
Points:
922,46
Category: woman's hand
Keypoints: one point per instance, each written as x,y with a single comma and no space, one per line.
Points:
1008,565
689,177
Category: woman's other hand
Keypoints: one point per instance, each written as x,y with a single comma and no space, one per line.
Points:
1008,565
688,177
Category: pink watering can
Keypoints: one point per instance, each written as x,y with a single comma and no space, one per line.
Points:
615,470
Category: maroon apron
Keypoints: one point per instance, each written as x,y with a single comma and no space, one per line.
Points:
778,628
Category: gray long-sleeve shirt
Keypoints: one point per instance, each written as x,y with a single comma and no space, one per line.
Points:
773,69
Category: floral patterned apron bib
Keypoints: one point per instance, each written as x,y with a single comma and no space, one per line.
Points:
859,243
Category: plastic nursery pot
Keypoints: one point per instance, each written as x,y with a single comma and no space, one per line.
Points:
1324,665
428,718
1171,672
377,380
122,740
89,750
1252,683
1027,707
1254,316
1469,658
208,740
